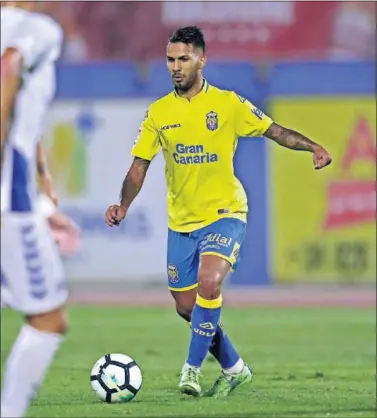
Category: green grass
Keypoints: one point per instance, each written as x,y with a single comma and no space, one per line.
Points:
307,363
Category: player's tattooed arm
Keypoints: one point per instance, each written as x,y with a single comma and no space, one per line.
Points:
131,186
133,181
289,138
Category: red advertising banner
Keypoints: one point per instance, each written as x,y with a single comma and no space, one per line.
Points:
248,30
233,29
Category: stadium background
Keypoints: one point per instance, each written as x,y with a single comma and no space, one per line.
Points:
309,65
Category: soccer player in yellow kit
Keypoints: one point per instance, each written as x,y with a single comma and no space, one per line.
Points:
197,127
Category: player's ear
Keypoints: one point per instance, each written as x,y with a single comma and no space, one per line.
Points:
202,61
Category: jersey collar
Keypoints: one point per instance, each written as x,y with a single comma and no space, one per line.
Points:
204,90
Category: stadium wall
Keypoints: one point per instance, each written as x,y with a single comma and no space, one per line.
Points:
95,119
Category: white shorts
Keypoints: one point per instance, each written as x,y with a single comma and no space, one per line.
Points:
32,275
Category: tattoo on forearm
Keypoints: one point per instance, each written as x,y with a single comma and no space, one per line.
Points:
289,138
133,181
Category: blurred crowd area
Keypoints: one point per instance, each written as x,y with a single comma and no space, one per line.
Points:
137,31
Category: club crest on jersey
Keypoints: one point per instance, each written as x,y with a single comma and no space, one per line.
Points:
212,121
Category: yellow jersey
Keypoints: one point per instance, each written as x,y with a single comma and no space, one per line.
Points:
198,139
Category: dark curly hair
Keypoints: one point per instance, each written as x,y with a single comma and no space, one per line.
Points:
190,35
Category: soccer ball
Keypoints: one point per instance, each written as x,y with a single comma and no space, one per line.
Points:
116,378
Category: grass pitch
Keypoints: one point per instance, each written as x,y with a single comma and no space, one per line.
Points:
307,363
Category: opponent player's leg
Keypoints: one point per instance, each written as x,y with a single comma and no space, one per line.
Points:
35,280
219,250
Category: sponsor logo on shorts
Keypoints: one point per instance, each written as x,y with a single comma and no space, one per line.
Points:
217,241
173,273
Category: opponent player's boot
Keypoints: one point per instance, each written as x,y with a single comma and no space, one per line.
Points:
226,383
189,383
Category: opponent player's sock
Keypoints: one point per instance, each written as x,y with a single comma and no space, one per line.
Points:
224,352
204,320
30,358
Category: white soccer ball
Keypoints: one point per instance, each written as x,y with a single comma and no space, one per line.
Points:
116,378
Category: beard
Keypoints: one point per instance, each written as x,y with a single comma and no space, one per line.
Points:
186,84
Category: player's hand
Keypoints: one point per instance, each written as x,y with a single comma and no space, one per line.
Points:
321,158
115,215
65,232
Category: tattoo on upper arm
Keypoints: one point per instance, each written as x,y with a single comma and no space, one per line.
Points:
289,138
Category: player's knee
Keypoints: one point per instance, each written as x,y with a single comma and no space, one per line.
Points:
209,284
54,322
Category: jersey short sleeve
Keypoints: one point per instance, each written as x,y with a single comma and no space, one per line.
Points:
38,38
250,121
147,143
